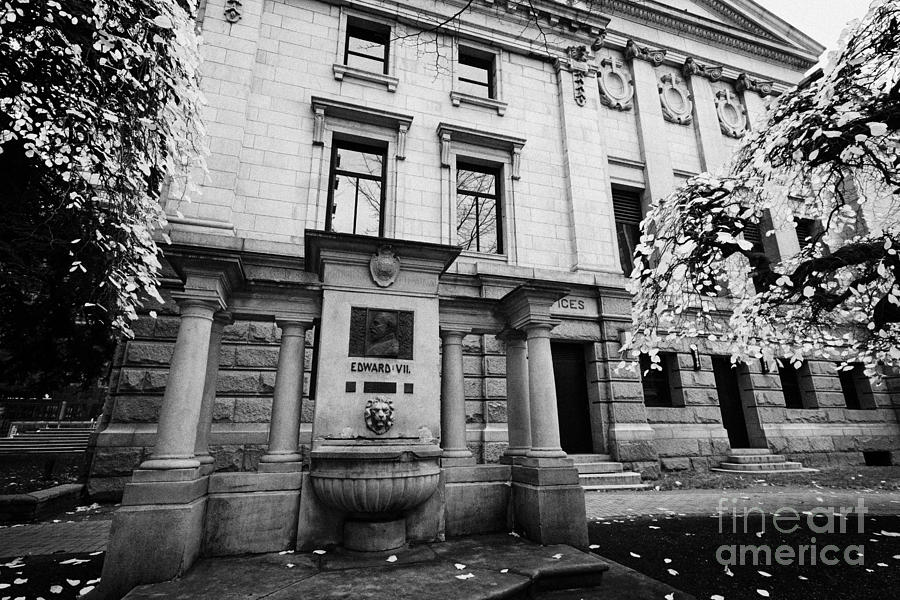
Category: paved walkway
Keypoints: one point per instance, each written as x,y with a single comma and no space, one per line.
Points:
707,502
47,538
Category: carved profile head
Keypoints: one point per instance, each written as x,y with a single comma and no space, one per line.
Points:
379,415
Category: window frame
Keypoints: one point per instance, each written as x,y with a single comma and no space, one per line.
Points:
805,398
637,196
341,142
387,77
374,35
494,100
495,169
861,386
664,380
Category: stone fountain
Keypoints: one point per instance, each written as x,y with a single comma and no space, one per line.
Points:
374,457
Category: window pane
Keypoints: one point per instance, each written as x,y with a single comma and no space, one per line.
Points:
476,181
466,217
487,225
790,385
475,75
363,163
478,73
368,209
628,234
655,383
367,49
848,386
356,206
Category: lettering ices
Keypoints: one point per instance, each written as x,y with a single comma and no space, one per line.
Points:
377,367
572,303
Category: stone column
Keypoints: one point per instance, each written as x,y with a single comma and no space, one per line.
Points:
201,447
176,434
652,132
284,427
542,392
518,415
453,401
712,147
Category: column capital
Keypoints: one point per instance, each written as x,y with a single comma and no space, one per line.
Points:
290,325
530,304
197,304
447,334
511,336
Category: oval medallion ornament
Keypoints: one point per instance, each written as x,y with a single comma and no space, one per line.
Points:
379,415
677,105
384,266
616,89
732,116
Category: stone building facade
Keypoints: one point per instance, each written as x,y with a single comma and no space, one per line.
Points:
502,155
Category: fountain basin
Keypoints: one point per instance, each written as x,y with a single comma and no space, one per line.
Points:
374,483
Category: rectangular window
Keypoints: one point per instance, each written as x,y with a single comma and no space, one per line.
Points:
367,45
627,212
356,193
478,211
806,230
790,384
753,235
656,384
856,387
476,73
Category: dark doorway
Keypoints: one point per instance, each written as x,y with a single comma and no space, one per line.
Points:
572,398
730,402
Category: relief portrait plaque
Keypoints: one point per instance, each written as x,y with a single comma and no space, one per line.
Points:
380,333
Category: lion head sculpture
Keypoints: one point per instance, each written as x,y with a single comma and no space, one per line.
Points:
379,415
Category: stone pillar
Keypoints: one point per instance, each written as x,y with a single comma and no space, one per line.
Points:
201,447
284,427
712,147
542,392
518,411
652,132
176,434
453,402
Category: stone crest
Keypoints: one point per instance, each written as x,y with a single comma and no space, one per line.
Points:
233,10
379,415
677,104
384,266
732,115
616,88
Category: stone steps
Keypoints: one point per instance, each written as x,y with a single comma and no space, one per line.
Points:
759,461
597,473
47,441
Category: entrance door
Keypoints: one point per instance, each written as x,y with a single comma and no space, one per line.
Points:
572,398
730,402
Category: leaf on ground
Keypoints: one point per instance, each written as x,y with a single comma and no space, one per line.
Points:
459,566
504,570
3,586
667,560
881,564
392,558
96,553
318,552
717,597
594,546
20,580
764,574
290,565
74,561
465,576
672,572
557,556
728,571
283,552
85,590
802,578
73,582
670,596
635,554
514,534
56,589
763,593
652,527
890,533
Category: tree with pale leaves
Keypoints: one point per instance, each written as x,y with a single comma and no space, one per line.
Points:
828,151
99,111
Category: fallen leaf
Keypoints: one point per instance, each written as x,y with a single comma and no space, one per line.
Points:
728,571
504,570
465,576
283,552
881,564
73,582
20,581
802,578
763,593
764,574
667,560
652,527
392,558
85,590
635,554
595,546
557,556
318,552
459,566
716,597
890,533
672,572
96,553
56,589
670,596
3,586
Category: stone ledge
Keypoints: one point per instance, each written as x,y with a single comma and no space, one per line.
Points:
226,483
31,506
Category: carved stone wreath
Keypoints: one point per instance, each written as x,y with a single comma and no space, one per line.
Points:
732,115
677,104
379,415
616,87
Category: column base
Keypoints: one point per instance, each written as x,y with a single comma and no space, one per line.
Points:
159,464
548,505
546,453
290,457
150,544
